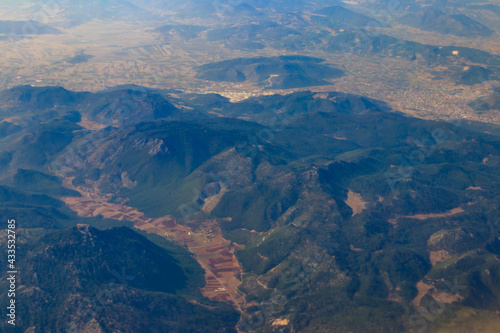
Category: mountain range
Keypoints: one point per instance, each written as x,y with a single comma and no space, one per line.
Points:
90,280
322,186
251,165
455,24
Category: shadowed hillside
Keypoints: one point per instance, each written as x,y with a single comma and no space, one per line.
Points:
73,269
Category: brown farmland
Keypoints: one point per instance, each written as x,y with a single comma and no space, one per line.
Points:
210,249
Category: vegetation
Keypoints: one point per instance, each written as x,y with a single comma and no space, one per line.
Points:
283,72
112,280
283,180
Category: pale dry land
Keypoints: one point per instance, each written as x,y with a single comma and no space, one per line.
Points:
130,53
90,125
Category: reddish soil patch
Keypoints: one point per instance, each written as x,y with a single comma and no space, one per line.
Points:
210,249
454,211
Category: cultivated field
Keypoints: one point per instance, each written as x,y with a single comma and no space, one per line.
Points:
210,249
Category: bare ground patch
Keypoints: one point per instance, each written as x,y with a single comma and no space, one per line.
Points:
454,211
355,201
439,256
423,289
90,125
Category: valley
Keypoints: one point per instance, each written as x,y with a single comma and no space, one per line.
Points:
209,248
264,166
147,57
